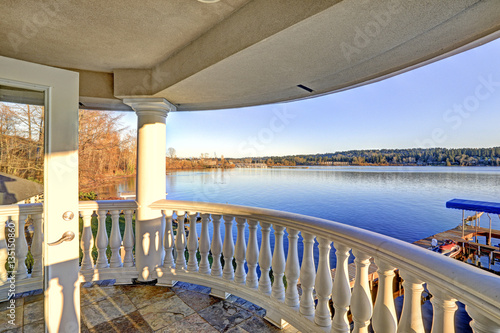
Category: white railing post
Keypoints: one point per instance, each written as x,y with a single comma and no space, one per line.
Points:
216,247
3,248
102,240
240,252
128,240
265,259
252,255
411,316
341,292
204,245
21,249
361,301
87,241
481,323
36,245
384,313
180,242
307,275
228,248
115,240
168,240
323,284
192,265
444,307
292,269
278,264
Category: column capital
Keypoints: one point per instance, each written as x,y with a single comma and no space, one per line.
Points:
156,105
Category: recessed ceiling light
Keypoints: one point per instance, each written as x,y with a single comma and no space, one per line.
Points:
209,1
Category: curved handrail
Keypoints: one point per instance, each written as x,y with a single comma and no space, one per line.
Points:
470,285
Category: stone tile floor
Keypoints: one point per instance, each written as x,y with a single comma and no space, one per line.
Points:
141,308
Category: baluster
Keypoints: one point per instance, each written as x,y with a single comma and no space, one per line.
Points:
36,245
411,316
21,249
87,241
265,259
102,240
481,323
228,249
128,240
240,252
3,249
192,265
216,247
307,276
278,288
204,245
252,255
168,240
384,313
341,293
323,284
361,301
292,269
115,240
180,242
444,306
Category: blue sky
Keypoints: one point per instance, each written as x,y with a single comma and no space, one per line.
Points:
451,103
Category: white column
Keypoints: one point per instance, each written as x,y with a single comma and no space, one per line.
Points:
192,246
384,313
87,241
443,320
341,293
216,247
151,181
101,240
307,275
128,240
36,245
265,259
204,245
115,240
361,301
292,269
481,323
240,275
411,316
323,284
228,248
252,255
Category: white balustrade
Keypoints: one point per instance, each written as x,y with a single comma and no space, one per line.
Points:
292,269
192,246
323,284
204,245
252,256
37,245
168,240
216,247
180,242
115,240
361,300
278,264
228,249
240,252
265,259
384,312
307,276
481,321
3,248
21,249
444,310
102,239
129,240
411,316
341,292
87,240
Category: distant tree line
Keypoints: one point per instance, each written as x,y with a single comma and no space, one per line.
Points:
411,156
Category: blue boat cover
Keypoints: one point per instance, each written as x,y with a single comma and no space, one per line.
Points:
476,206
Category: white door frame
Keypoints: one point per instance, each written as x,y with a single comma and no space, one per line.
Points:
61,262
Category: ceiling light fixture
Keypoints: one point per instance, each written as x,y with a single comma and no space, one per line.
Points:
209,1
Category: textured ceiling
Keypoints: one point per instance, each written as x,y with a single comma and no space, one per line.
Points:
237,52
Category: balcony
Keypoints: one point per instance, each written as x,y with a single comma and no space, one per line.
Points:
305,307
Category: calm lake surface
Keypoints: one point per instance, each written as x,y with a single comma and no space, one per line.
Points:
407,203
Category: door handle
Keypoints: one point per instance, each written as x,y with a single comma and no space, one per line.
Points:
66,237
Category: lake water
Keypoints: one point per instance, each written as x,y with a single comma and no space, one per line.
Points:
407,203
